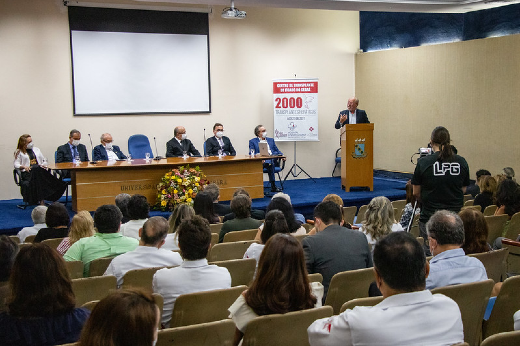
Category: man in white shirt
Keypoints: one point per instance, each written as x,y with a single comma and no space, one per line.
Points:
38,218
107,150
408,315
148,254
194,274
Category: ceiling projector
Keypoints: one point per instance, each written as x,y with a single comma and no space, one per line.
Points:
232,12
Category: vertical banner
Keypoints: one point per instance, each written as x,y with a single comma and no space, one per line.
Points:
295,109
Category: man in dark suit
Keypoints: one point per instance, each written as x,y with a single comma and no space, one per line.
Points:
179,144
219,141
351,115
106,150
334,248
68,151
261,136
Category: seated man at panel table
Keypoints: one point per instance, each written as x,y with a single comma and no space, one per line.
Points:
106,242
179,144
106,150
408,315
194,274
351,115
450,265
219,142
261,137
72,149
148,254
214,192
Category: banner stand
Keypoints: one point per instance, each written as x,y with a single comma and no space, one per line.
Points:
294,168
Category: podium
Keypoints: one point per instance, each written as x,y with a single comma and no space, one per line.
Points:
357,157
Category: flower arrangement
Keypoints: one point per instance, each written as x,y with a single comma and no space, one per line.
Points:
179,186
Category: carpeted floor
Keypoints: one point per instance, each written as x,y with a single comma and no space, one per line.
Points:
305,194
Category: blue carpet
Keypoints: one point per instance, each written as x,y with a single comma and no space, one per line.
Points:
305,194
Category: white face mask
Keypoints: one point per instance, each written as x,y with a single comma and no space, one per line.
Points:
30,145
108,146
264,134
75,142
184,136
220,134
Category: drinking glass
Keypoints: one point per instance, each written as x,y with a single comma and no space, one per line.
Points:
129,158
184,154
252,152
147,155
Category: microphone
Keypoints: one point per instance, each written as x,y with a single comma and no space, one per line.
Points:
92,148
204,134
157,158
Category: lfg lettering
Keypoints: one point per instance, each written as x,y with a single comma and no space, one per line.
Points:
453,168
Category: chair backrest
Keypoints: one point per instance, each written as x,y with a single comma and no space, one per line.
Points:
15,239
248,234
399,205
242,271
414,228
30,238
514,227
495,226
495,263
300,237
467,197
469,202
100,265
214,239
203,334
227,251
140,278
506,304
159,301
476,207
316,277
308,227
361,214
472,300
420,240
513,259
348,285
286,329
95,288
503,339
215,227
490,210
349,213
75,269
90,305
138,146
369,301
202,307
53,243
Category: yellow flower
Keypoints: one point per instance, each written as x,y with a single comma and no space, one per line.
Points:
197,179
163,203
164,192
179,180
190,191
188,200
175,191
196,184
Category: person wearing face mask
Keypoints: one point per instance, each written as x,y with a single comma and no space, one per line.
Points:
219,142
107,150
180,144
261,136
69,151
36,183
351,115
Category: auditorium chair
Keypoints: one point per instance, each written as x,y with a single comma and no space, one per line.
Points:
495,226
94,288
514,227
242,271
138,146
503,339
368,301
203,334
214,239
506,304
495,263
75,269
467,197
348,285
337,161
202,307
15,239
283,329
215,227
349,213
469,203
53,243
158,299
228,251
361,214
513,259
308,226
248,234
472,300
99,266
490,210
277,170
475,207
399,205
300,237
60,175
30,238
316,277
17,176
140,278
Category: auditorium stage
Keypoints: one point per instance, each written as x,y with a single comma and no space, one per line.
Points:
305,194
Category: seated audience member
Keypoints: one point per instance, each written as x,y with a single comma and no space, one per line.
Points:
8,251
261,137
122,203
282,285
57,220
256,214
516,318
475,231
38,218
180,144
334,248
219,142
203,206
488,189
41,309
138,211
450,265
148,254
82,226
379,220
299,217
509,173
274,223
508,198
474,189
281,204
107,150
400,269
241,207
180,213
106,242
194,274
336,199
214,192
125,317
411,200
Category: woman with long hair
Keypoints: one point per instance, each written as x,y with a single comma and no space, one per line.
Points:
180,213
488,189
36,184
280,286
122,318
508,198
379,220
475,231
203,206
41,307
81,226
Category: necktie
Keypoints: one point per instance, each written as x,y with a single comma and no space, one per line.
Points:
75,150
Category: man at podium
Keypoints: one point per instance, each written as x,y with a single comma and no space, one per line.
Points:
351,115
